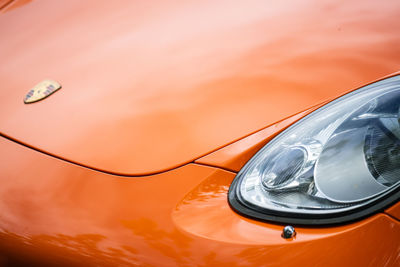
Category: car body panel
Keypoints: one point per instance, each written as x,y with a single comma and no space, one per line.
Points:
55,213
162,102
4,3
148,87
394,211
233,157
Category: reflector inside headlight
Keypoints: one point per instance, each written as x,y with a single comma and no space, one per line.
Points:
339,163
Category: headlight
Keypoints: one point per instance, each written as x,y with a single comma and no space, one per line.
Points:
340,163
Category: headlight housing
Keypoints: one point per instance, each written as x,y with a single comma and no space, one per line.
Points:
338,164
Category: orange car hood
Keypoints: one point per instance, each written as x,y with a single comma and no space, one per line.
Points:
150,85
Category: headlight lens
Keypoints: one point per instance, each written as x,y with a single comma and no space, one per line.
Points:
340,163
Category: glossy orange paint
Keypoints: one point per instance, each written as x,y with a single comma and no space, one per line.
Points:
56,213
394,211
234,156
4,3
149,88
152,85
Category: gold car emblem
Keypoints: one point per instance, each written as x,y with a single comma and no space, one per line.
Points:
41,91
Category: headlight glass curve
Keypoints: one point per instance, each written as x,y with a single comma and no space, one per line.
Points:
337,164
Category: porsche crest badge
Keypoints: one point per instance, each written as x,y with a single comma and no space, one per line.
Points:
41,91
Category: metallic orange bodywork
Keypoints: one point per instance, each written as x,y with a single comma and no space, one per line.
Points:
57,213
4,3
150,86
394,211
234,156
161,103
